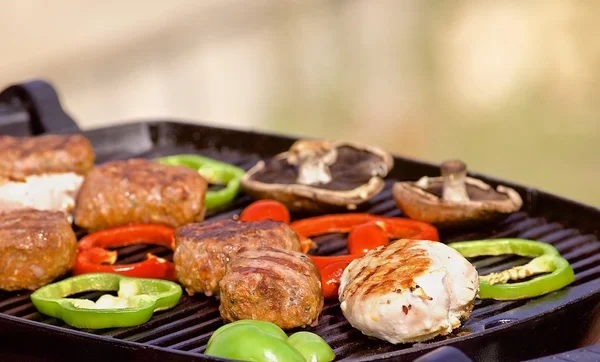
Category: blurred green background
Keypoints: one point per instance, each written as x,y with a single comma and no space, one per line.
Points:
509,87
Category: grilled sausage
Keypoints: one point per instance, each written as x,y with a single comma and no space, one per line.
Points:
36,247
204,249
140,191
408,291
43,172
274,285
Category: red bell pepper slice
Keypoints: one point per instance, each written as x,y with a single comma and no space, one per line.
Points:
367,236
367,231
266,210
92,252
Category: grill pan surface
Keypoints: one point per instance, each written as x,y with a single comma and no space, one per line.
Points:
513,330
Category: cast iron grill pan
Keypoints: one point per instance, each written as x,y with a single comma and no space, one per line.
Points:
511,330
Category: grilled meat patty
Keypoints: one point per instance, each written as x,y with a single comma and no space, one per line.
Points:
203,249
43,172
274,285
26,156
140,191
36,247
408,291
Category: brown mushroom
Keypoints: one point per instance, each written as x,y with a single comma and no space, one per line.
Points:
454,199
319,176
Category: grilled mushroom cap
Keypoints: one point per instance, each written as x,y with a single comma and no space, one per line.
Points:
319,176
455,200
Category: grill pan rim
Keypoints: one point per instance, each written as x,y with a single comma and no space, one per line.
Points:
531,197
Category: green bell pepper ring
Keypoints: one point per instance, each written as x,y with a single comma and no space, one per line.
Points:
546,259
215,172
253,340
138,299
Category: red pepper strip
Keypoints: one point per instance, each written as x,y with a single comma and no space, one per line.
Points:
330,277
92,253
393,227
396,227
367,236
266,210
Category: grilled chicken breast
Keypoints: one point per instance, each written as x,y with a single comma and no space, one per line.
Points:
408,291
36,247
139,191
43,172
274,285
203,249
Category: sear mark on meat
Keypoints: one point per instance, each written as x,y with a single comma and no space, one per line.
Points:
204,249
408,291
275,285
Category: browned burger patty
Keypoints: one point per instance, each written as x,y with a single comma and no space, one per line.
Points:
36,247
25,156
204,249
274,285
140,191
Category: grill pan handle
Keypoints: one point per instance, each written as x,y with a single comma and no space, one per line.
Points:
38,100
444,354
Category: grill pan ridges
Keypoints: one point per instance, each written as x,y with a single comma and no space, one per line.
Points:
184,330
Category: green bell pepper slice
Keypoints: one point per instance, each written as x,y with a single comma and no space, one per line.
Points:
253,340
215,172
547,260
311,346
138,299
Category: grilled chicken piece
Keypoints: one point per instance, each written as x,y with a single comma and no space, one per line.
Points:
43,172
139,191
274,285
203,249
36,247
408,291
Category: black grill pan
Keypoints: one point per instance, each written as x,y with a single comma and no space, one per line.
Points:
496,331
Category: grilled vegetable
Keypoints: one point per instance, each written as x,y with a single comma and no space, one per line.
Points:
311,346
319,176
367,236
215,172
362,237
137,300
454,200
92,254
265,210
252,340
546,259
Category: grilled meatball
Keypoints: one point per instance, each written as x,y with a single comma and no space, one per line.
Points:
408,291
36,247
274,285
140,191
204,249
43,172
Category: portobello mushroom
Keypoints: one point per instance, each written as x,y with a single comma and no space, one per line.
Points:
319,176
455,200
